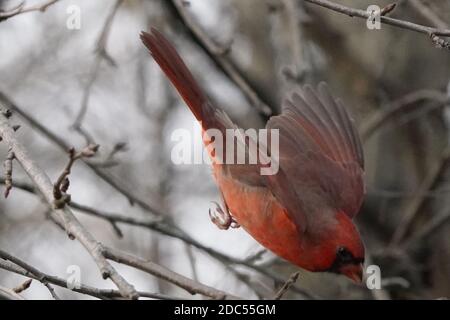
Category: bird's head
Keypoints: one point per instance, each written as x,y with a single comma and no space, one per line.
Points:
349,264
339,249
347,249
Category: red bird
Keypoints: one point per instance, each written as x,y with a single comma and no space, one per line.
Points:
304,212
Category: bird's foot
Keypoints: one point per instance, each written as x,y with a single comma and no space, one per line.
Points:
222,218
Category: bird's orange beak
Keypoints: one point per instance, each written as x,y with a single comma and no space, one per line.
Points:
353,271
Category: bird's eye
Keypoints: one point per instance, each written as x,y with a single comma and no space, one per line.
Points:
343,254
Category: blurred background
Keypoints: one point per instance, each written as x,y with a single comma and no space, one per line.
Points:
99,84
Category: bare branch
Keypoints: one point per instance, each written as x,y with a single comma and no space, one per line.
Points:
417,203
100,54
39,276
427,13
434,33
8,172
62,183
189,285
292,279
430,228
388,9
81,288
21,8
24,286
64,217
291,10
104,34
399,107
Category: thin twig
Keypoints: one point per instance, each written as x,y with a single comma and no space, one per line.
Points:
24,286
417,203
429,228
39,276
8,172
400,107
80,288
61,185
192,261
292,279
426,12
388,9
292,12
100,54
21,8
104,34
434,33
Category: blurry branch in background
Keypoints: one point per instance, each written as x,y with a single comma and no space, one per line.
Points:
111,218
292,12
161,223
399,108
21,8
438,221
110,160
100,54
433,33
100,254
104,34
417,203
219,55
426,12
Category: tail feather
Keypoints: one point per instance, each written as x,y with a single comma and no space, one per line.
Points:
173,66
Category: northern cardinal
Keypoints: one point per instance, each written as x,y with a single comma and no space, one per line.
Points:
304,212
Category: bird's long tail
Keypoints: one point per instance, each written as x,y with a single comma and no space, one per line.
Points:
173,66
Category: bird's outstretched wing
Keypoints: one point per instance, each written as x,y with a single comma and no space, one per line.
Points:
320,151
251,174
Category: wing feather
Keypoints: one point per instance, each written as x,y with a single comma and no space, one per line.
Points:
320,151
